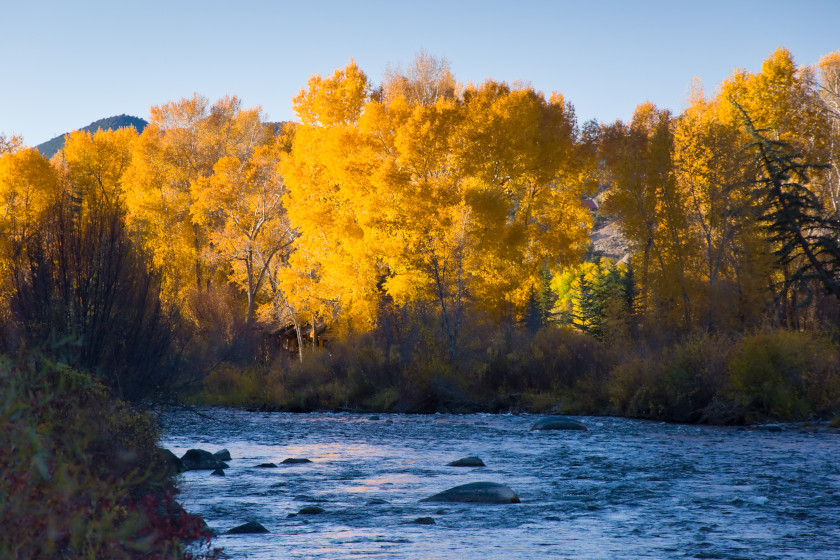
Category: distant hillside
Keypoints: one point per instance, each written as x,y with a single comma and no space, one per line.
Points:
50,147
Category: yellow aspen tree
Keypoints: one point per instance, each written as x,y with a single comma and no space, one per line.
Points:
783,106
173,162
428,192
710,167
96,164
29,184
332,256
827,87
644,199
10,144
241,207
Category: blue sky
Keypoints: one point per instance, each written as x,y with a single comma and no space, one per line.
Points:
65,64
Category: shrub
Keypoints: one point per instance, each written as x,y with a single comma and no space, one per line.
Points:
82,476
786,374
676,383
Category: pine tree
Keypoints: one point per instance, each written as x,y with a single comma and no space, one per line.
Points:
805,235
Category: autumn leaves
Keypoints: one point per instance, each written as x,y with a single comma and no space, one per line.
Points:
457,197
446,198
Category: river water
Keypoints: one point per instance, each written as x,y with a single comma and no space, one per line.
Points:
623,489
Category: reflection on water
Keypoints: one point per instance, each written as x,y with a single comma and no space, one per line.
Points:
624,489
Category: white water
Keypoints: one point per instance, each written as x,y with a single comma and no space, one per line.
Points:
624,489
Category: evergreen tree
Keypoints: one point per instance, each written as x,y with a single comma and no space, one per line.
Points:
805,235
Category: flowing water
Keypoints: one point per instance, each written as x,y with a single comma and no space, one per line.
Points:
623,489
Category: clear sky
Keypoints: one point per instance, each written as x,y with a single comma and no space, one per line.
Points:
67,63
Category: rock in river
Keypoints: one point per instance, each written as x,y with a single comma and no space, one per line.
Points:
468,462
311,510
222,455
250,527
295,461
558,423
477,492
201,460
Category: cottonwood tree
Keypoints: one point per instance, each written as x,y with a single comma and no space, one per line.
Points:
455,197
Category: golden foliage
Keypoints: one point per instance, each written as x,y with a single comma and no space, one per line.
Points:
425,195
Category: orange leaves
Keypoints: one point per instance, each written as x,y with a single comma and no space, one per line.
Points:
97,162
28,185
432,194
335,100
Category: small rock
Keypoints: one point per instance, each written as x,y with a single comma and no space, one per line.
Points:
477,492
772,428
558,423
376,502
267,466
247,528
218,472
222,455
421,521
311,510
374,417
468,462
295,461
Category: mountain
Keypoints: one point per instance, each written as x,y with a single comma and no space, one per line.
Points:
50,147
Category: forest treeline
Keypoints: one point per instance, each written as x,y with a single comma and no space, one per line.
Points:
423,240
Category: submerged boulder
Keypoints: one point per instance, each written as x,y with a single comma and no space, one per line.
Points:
267,466
421,521
477,492
218,472
201,460
311,510
295,461
467,462
247,528
222,455
558,423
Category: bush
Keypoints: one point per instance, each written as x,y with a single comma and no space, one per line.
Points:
82,475
786,375
677,383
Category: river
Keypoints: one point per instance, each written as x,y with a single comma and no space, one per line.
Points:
623,489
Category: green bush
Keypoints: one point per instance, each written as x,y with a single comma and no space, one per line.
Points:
82,475
677,383
786,375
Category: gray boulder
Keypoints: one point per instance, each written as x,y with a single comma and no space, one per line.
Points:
247,528
222,455
295,461
477,492
558,423
201,460
267,466
468,462
311,510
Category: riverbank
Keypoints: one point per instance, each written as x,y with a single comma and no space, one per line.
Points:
767,376
83,476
